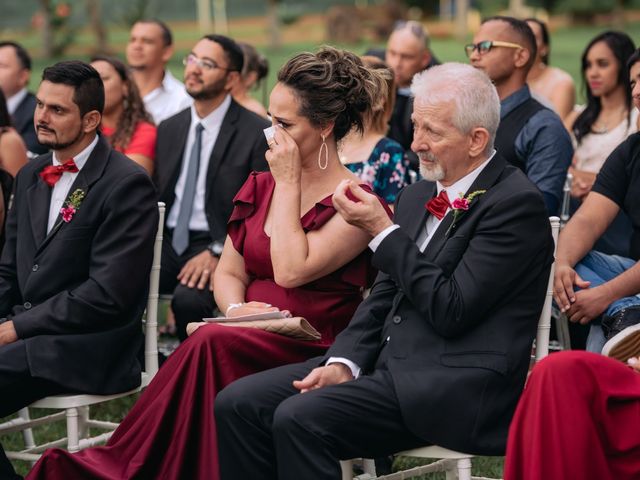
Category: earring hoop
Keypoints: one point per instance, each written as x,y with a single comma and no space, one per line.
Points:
326,154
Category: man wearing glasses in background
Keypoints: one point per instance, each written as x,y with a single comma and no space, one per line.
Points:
149,49
204,155
530,136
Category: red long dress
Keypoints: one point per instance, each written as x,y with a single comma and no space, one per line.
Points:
579,418
170,431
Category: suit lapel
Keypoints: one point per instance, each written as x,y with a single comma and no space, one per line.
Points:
89,174
38,201
226,134
416,229
484,181
175,156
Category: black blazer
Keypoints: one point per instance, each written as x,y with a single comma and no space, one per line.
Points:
22,120
76,295
461,317
239,149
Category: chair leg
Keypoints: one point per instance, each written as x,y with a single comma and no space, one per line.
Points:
347,469
73,439
83,418
369,466
27,433
464,469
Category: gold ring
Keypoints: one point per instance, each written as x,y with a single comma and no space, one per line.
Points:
271,143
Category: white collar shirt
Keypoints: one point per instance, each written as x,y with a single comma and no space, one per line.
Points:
432,223
453,191
211,124
168,99
15,100
60,190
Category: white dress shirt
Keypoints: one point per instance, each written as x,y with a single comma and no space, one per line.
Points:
14,100
431,225
168,99
211,124
60,190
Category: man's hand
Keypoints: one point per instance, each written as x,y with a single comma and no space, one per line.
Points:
366,212
332,374
198,271
588,304
564,279
7,333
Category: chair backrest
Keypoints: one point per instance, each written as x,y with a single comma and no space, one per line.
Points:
151,317
544,323
565,209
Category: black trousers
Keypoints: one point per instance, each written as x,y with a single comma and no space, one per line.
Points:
18,389
267,430
188,304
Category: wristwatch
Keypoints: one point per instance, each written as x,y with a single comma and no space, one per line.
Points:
215,249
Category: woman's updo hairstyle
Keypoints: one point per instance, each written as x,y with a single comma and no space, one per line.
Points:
333,86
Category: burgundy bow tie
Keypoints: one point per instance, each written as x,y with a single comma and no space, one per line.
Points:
439,205
52,173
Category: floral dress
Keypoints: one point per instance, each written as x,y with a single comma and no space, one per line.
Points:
386,170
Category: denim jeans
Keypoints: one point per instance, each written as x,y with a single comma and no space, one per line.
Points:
599,268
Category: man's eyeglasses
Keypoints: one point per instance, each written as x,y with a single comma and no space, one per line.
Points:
204,64
486,45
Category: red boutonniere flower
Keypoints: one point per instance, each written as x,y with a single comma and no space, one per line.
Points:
72,206
461,205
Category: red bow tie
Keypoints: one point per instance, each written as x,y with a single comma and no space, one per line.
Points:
52,173
439,205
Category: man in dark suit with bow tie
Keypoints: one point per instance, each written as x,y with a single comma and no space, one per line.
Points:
79,244
439,351
205,154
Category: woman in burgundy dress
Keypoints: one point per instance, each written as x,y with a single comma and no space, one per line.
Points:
578,418
287,249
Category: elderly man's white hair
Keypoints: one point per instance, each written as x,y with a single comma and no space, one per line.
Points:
476,100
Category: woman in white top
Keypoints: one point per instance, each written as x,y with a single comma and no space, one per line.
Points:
608,117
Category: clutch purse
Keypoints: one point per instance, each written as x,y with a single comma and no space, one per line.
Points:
294,327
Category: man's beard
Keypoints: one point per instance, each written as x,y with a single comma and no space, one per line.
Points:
433,172
212,91
54,145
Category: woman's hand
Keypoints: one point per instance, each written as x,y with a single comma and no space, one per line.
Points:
634,362
193,326
251,308
283,157
582,183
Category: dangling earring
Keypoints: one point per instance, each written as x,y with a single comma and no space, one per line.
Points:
326,154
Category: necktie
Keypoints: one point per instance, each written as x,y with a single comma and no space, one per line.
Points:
439,205
52,173
180,240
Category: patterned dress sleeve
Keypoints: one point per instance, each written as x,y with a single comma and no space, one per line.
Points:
392,169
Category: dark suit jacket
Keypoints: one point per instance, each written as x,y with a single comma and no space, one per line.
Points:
22,120
462,316
239,149
76,295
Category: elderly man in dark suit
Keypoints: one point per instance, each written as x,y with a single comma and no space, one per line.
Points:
205,153
15,70
78,252
439,351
